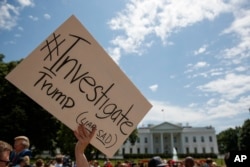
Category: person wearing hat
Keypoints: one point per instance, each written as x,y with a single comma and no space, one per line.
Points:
156,162
21,149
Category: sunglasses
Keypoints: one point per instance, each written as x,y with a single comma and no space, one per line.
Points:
6,162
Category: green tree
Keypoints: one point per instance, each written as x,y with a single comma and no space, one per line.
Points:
133,137
228,140
244,138
20,115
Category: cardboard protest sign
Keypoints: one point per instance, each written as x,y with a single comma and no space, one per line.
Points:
72,77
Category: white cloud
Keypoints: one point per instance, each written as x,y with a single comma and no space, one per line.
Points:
200,50
200,64
216,71
241,69
214,113
115,53
240,27
230,87
26,3
9,13
33,18
47,16
141,19
153,87
162,111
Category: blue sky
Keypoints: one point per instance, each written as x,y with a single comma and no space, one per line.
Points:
189,58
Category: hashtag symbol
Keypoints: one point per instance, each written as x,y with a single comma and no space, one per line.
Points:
52,46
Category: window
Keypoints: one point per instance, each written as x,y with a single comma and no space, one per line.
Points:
156,139
175,139
123,151
146,150
138,140
165,139
138,151
210,139
131,151
212,150
202,139
145,140
187,150
195,150
194,139
186,139
203,150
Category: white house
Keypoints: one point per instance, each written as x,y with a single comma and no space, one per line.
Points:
162,138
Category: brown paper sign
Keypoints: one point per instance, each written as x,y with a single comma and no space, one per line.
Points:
72,77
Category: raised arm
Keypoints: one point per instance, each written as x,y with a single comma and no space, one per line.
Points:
84,137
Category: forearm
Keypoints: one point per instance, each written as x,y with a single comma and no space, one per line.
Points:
84,138
81,160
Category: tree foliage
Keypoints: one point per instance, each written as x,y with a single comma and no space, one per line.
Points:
244,137
20,115
235,138
133,137
228,140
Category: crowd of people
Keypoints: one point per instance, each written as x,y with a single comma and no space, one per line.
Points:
159,162
19,155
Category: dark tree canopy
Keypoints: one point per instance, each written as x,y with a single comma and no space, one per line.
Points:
235,138
20,115
245,136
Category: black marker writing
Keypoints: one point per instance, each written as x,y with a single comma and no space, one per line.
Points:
107,139
75,73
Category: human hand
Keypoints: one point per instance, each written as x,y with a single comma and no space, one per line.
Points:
83,136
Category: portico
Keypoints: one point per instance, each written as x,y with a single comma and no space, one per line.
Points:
165,137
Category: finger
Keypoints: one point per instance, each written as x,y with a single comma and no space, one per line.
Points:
82,130
92,133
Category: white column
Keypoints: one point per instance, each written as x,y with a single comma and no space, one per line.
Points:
181,144
172,142
162,143
151,144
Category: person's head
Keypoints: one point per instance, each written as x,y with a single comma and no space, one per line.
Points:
124,164
59,159
5,149
214,164
96,163
39,163
24,161
156,162
21,143
209,161
189,162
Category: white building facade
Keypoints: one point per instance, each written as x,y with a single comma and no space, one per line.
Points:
164,137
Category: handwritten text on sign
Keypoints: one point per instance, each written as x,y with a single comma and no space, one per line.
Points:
72,77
